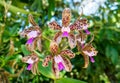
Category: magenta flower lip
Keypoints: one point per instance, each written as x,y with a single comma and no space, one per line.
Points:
29,67
30,40
65,34
60,66
58,59
92,59
87,32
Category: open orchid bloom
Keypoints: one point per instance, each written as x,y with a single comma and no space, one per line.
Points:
87,50
32,61
64,30
90,51
81,40
33,34
81,24
59,59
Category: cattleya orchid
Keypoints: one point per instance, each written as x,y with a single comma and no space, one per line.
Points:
87,50
59,59
65,30
32,61
33,34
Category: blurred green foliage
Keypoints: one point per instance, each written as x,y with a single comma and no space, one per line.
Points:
105,26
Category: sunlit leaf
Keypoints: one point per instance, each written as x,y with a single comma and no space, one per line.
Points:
46,71
69,80
24,50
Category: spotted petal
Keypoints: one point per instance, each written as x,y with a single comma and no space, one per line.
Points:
86,60
69,53
39,45
73,27
67,64
66,17
80,24
58,37
25,32
54,25
46,60
71,40
55,69
54,47
89,48
81,38
25,59
34,69
31,20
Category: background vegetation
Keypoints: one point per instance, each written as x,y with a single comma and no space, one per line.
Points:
104,24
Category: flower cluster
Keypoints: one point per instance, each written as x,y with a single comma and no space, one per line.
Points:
60,58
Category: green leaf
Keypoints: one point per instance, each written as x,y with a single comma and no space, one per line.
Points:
51,8
46,71
24,50
114,55
37,5
107,51
17,56
69,80
15,9
9,69
13,30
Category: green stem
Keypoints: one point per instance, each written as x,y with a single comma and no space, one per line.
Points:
46,38
2,27
15,9
54,80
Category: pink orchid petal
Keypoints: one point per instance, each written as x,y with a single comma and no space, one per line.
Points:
29,67
29,41
92,59
60,66
65,34
82,45
87,32
32,34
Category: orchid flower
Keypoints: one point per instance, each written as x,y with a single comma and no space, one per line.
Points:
87,50
33,34
90,51
65,30
59,59
32,61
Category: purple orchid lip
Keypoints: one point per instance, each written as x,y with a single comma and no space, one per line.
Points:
29,67
60,66
65,34
88,32
30,40
92,59
82,45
